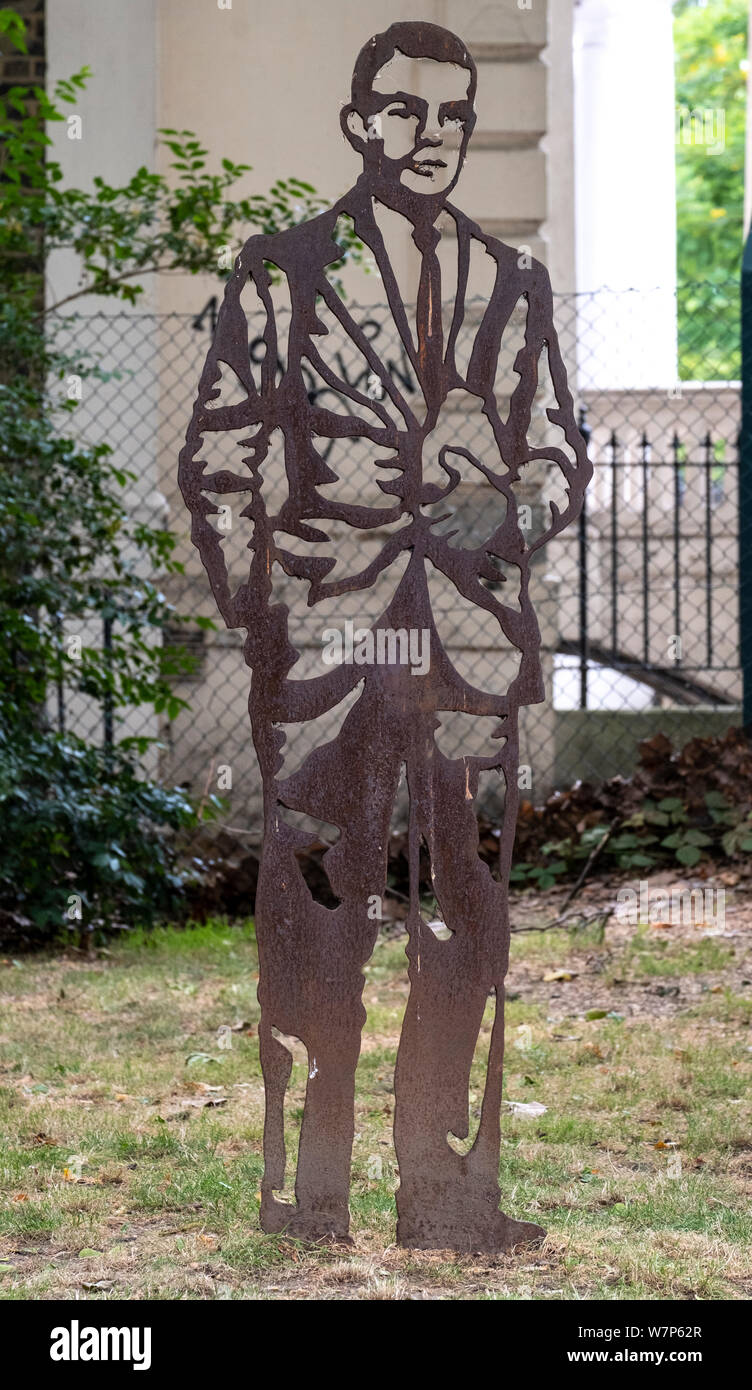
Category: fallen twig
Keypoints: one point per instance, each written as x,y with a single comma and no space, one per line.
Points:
595,915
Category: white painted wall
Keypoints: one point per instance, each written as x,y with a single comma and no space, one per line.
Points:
118,107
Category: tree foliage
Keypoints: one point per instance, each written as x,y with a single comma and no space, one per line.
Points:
711,91
82,821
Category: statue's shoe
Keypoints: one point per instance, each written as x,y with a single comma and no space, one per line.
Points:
301,1223
492,1234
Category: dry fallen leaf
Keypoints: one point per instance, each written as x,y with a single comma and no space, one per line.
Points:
557,976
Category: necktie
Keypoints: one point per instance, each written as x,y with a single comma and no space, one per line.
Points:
428,313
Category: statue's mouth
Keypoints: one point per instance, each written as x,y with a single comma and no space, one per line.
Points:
426,166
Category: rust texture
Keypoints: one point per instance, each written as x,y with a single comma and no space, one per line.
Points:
312,956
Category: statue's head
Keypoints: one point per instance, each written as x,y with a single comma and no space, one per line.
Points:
412,111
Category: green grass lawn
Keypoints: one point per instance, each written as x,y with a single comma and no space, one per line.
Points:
130,1132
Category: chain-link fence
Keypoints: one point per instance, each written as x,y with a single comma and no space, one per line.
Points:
637,606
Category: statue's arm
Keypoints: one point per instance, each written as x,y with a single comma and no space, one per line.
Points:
569,452
234,410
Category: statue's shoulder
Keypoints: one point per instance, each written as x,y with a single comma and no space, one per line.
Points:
295,249
507,257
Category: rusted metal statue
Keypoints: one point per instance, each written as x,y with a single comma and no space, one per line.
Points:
312,956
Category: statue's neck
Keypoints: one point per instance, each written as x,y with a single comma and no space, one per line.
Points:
420,210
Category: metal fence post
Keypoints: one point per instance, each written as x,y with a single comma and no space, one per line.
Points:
108,707
582,555
745,490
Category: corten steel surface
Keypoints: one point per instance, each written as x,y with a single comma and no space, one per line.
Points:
312,956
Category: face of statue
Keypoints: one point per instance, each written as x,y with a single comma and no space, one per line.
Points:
421,120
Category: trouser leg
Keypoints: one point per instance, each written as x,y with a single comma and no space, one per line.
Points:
446,1198
311,962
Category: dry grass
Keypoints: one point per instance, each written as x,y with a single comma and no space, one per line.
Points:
131,1139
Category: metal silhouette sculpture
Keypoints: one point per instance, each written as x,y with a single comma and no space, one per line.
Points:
312,956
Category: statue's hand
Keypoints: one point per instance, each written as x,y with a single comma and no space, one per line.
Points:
464,486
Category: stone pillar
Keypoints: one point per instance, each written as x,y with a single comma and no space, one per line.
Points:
625,193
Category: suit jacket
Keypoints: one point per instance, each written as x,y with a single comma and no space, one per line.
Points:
276,395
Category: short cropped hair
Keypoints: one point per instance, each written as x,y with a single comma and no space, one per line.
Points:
415,39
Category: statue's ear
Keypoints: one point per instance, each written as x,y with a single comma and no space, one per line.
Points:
354,128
